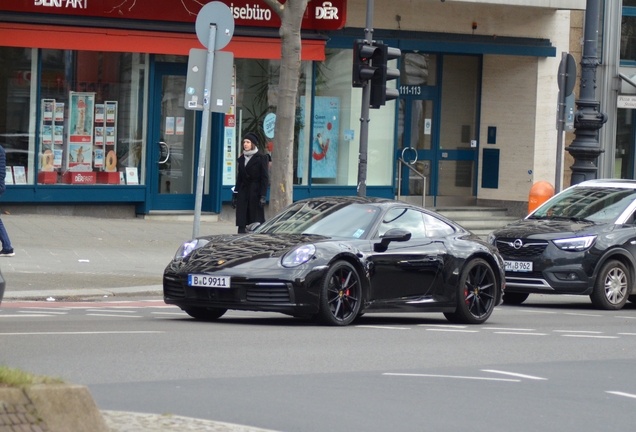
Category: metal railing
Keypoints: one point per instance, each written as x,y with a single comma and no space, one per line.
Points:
402,161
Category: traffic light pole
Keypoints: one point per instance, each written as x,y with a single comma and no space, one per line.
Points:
364,112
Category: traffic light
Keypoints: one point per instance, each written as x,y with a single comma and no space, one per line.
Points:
379,93
362,69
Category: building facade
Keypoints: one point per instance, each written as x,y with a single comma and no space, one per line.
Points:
93,112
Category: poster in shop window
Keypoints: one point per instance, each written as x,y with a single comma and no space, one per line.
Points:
80,136
324,142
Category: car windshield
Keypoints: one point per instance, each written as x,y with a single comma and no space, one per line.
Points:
325,218
593,204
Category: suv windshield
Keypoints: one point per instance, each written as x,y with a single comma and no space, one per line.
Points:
594,204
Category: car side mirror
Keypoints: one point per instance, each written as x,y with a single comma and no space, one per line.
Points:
394,234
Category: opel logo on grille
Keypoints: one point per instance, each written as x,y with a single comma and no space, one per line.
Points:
517,244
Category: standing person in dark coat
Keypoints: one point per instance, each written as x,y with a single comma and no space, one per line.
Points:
251,184
7,250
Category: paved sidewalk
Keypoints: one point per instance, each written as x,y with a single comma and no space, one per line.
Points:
73,256
77,257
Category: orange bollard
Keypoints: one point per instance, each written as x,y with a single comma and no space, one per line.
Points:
540,192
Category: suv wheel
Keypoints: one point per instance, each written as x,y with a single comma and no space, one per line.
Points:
611,286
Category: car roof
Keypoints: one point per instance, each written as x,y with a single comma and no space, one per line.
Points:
617,183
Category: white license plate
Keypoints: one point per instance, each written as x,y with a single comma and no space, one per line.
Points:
518,266
202,280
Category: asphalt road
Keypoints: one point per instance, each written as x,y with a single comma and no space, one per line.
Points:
553,364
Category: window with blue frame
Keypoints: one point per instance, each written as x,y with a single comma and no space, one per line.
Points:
628,33
72,117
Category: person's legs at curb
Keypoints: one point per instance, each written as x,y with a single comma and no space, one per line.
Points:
7,250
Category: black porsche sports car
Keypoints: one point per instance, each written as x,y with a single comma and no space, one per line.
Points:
335,258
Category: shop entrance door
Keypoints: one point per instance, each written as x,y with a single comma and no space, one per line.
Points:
173,135
437,132
416,145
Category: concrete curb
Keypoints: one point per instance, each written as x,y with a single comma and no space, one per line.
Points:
50,407
153,290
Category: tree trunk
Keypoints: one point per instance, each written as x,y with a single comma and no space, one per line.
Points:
281,172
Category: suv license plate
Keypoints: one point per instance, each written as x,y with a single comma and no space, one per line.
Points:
207,281
519,266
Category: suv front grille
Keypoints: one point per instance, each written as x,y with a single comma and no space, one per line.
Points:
527,249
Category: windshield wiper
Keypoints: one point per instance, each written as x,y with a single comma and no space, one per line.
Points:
570,218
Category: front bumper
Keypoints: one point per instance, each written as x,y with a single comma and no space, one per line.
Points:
570,279
298,297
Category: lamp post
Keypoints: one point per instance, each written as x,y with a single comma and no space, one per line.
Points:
588,119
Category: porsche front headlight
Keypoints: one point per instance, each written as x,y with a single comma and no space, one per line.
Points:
299,256
576,244
187,247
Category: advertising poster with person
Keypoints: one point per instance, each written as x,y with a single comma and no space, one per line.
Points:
324,142
80,137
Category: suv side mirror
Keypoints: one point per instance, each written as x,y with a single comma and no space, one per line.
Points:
394,234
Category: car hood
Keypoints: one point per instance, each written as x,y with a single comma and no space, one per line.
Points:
233,250
547,228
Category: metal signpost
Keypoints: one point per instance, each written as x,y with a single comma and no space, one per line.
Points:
566,81
214,27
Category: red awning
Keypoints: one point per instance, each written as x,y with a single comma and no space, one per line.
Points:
116,40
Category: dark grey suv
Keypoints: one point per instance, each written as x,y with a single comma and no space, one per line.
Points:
581,241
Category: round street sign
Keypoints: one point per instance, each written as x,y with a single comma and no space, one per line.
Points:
219,14
567,67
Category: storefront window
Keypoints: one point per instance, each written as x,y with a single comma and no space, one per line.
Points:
334,144
88,119
628,32
91,123
624,156
16,131
257,100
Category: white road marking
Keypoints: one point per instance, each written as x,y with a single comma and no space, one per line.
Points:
113,315
577,331
442,326
452,330
79,333
110,310
169,313
626,317
33,312
514,374
384,327
627,334
24,316
617,393
536,311
590,336
520,333
452,376
45,308
508,329
581,314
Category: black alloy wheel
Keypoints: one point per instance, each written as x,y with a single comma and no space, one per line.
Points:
340,296
477,293
513,298
612,286
205,314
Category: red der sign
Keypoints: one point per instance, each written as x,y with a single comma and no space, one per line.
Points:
320,14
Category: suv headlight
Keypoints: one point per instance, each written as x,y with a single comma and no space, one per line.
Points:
299,256
576,244
491,238
187,247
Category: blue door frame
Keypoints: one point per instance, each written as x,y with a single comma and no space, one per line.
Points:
211,201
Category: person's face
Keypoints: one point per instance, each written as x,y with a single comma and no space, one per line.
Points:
247,144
